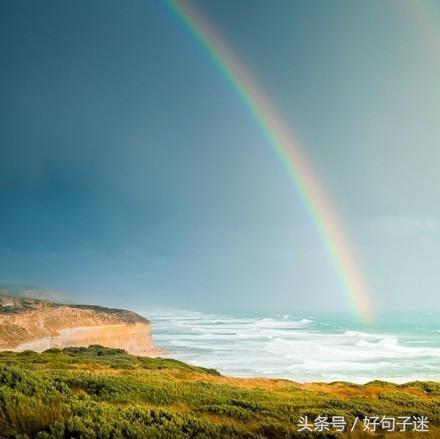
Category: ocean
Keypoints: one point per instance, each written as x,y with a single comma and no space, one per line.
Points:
302,347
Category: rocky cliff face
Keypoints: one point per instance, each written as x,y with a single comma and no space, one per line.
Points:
39,325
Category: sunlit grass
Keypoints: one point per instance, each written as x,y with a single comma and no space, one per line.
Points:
105,393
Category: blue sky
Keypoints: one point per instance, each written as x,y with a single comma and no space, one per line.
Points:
132,175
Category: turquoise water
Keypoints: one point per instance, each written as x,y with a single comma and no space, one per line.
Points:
303,347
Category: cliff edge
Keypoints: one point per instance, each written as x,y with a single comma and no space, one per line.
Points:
32,324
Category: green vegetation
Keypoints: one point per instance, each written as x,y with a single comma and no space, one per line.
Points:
128,316
97,392
14,304
20,306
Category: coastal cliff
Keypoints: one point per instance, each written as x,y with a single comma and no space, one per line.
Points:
31,324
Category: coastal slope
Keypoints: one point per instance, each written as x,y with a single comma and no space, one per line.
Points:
98,392
32,324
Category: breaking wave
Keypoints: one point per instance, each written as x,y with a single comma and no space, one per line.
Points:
302,349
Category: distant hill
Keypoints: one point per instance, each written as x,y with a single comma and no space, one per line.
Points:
34,324
32,291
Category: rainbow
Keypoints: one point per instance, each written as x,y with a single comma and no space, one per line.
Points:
288,151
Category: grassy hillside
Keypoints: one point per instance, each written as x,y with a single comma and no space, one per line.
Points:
105,393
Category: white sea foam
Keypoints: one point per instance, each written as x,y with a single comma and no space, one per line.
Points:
298,348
